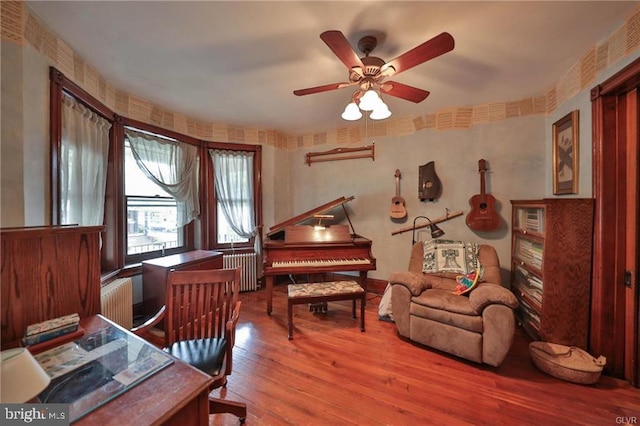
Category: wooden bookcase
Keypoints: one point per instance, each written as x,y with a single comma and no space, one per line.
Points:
551,254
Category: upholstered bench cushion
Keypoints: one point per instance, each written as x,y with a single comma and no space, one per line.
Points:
324,292
323,289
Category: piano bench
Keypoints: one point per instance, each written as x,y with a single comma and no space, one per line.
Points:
325,292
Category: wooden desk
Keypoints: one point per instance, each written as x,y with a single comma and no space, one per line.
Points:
155,271
176,395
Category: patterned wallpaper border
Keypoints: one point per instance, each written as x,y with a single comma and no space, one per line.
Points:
18,25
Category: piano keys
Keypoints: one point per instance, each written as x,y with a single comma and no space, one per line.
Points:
319,263
295,248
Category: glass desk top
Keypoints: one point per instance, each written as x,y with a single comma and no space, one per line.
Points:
98,367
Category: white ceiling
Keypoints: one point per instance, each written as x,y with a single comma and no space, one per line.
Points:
239,62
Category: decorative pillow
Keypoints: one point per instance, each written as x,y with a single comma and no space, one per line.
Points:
450,256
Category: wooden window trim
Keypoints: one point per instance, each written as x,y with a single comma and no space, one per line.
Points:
207,188
200,234
111,256
189,231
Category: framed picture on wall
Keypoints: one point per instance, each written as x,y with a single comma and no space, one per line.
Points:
565,154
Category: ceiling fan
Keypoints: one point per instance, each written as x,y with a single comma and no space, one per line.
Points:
370,72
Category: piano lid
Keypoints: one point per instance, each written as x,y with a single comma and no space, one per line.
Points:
308,215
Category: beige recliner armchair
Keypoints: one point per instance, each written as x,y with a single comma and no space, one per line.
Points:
478,326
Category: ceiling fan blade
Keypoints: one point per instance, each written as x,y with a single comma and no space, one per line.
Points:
433,48
340,46
319,89
403,91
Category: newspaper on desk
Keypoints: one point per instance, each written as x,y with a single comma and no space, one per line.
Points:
68,357
65,358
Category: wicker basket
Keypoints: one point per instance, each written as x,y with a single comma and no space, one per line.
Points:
566,363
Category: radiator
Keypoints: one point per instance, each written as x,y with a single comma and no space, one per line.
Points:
247,261
116,300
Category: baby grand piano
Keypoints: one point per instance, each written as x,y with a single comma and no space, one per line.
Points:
291,248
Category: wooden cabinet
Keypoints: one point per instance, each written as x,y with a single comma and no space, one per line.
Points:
48,272
551,254
154,274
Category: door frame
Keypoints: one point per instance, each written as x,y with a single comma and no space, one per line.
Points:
615,324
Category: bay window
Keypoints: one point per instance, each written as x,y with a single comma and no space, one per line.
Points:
156,191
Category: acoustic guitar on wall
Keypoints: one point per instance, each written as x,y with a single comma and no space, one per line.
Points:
483,216
398,210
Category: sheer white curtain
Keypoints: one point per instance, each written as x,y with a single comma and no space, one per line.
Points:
171,165
233,177
83,167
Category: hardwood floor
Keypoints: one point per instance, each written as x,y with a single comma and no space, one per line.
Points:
331,373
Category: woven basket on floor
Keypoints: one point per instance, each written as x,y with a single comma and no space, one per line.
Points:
567,363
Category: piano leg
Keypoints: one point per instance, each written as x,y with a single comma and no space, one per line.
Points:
363,280
269,280
363,302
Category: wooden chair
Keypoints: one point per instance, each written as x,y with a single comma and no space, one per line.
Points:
200,317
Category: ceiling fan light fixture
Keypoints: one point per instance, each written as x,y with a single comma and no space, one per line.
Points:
381,112
370,100
368,73
351,112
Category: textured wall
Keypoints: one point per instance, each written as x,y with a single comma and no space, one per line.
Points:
515,154
12,134
36,138
514,136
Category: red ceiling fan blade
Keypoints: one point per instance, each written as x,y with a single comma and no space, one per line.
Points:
403,91
433,48
318,89
340,46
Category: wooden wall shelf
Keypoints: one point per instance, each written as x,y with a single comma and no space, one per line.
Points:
341,154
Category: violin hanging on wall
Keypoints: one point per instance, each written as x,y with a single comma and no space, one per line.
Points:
483,216
398,210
